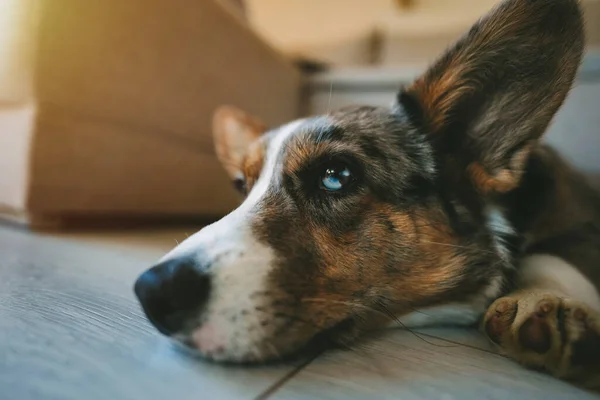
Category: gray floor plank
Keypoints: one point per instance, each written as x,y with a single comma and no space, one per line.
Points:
402,366
70,329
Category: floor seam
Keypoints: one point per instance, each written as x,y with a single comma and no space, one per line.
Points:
271,390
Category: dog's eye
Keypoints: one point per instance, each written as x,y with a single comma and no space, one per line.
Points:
335,177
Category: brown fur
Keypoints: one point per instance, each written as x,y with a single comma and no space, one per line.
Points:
360,271
414,226
374,256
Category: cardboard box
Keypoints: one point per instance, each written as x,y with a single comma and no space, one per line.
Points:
114,117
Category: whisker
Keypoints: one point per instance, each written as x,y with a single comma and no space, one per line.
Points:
385,312
413,310
361,351
273,349
340,302
398,321
347,345
295,318
457,246
330,93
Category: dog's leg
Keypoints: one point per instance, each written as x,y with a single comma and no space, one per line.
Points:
552,322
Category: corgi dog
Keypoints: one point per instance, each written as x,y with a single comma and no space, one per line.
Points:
446,198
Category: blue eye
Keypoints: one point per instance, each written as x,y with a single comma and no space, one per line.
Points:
335,178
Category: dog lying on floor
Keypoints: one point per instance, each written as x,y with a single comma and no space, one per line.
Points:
446,198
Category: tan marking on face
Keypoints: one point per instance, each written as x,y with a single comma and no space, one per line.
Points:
417,262
304,148
435,266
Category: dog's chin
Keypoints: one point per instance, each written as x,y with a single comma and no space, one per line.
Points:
341,335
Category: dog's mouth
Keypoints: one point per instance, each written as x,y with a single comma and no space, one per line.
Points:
338,336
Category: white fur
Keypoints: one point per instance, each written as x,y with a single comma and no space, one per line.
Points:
499,225
239,264
548,272
493,289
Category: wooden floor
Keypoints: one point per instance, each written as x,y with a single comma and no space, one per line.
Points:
70,328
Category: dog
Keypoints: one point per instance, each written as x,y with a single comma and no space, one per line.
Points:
447,198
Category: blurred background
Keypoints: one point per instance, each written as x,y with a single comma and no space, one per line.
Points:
105,106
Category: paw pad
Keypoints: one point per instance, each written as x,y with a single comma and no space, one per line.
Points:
499,321
535,334
502,307
579,314
543,330
544,308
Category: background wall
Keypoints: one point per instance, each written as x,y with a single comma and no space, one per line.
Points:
341,31
375,32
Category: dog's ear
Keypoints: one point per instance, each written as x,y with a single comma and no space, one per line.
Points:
495,92
233,131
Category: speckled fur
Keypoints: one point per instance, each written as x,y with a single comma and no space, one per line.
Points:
453,191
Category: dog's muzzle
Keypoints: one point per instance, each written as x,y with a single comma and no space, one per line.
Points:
210,290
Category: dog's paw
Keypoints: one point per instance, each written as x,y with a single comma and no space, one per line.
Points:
544,331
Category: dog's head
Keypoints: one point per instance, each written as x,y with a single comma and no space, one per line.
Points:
366,213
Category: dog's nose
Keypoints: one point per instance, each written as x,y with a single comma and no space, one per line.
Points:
171,293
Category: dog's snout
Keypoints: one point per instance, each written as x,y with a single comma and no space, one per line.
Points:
172,292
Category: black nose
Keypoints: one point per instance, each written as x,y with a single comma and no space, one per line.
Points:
171,293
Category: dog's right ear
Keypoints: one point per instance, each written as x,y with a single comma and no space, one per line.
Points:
233,132
494,93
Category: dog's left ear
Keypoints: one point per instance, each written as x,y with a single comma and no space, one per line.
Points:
495,92
233,132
